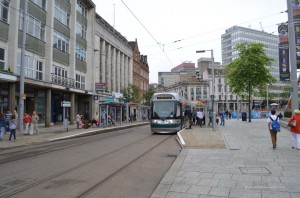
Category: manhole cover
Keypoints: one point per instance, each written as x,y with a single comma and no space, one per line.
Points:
255,170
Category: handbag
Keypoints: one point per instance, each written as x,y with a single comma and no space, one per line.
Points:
294,123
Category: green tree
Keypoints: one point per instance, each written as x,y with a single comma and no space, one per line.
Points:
131,93
148,95
249,71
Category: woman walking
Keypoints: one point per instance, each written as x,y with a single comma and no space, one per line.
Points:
12,127
294,123
35,121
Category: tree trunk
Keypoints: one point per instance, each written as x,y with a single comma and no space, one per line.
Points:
249,104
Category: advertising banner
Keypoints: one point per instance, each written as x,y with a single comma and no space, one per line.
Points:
284,66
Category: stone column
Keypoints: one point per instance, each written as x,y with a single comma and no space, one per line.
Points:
103,60
108,77
48,114
122,65
12,97
114,70
126,72
119,77
72,110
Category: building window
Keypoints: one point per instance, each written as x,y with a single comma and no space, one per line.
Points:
40,3
35,27
59,71
81,8
60,42
4,7
80,53
80,82
2,58
62,15
33,67
80,30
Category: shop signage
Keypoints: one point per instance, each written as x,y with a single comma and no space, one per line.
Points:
66,104
100,87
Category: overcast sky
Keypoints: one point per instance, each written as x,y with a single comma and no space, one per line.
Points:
183,26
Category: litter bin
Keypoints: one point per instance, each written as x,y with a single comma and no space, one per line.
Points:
244,116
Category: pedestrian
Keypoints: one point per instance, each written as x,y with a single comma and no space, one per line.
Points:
188,118
15,113
27,123
12,127
35,121
222,116
109,120
200,116
294,123
86,119
8,116
273,117
2,125
78,118
218,118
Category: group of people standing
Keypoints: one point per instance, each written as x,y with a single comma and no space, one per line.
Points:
9,123
197,117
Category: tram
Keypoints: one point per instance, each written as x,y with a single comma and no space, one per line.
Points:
166,113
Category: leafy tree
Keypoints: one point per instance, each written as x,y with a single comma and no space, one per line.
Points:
148,95
131,93
249,71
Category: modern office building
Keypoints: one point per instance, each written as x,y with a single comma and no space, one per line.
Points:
72,54
236,35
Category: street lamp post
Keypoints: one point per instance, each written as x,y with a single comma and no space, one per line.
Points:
213,85
293,62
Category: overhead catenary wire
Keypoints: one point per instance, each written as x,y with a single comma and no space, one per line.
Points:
162,48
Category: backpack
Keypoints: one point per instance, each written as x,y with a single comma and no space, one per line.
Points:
275,125
12,125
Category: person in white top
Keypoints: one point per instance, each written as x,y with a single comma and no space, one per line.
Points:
200,116
273,133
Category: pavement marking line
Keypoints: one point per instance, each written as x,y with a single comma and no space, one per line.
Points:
180,137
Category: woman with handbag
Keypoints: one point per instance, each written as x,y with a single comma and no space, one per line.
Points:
294,123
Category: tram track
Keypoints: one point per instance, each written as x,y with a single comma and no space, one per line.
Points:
45,149
83,164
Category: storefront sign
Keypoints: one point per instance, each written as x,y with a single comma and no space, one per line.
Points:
100,87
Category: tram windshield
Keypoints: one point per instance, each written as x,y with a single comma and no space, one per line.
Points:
165,109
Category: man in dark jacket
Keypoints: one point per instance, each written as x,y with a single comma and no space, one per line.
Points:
188,118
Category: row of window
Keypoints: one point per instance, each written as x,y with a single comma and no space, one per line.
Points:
35,27
4,8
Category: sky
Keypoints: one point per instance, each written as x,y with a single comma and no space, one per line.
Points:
169,32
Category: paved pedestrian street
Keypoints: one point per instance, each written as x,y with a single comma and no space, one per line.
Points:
247,167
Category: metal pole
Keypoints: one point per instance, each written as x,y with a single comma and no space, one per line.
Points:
237,107
268,97
22,68
213,89
293,63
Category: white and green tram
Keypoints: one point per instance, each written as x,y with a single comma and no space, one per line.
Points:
166,113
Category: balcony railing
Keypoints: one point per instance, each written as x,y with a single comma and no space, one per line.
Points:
63,81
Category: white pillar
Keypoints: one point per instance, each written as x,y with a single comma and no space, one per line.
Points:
103,62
